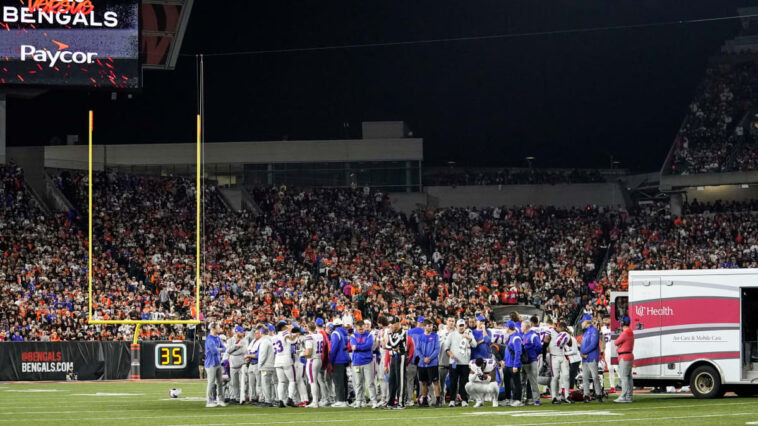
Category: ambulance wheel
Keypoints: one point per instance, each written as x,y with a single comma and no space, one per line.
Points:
705,382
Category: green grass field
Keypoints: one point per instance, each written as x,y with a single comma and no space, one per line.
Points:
148,403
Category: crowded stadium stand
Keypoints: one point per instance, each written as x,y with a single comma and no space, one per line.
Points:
307,252
352,272
307,229
717,135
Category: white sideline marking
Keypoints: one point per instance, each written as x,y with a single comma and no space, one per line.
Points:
541,413
647,419
186,399
107,394
321,411
641,419
219,409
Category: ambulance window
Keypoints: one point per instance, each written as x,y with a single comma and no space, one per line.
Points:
622,306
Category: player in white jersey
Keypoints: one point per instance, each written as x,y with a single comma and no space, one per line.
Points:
609,350
300,362
499,336
559,363
481,381
444,358
284,363
314,350
255,391
382,369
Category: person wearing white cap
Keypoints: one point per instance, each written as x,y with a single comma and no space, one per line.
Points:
236,346
458,347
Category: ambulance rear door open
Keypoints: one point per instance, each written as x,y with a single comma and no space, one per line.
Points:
749,322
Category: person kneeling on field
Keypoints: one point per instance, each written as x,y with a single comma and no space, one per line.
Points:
481,385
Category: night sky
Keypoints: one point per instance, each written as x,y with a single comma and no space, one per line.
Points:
571,100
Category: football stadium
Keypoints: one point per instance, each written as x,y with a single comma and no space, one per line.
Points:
522,213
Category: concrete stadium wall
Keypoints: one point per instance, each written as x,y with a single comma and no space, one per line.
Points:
669,182
560,195
722,192
407,202
75,156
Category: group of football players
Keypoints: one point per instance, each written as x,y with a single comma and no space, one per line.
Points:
393,365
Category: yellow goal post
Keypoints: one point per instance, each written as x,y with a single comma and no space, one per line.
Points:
198,196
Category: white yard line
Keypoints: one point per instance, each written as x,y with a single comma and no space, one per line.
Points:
615,420
87,402
640,419
215,412
199,406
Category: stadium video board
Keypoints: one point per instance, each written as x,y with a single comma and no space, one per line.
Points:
75,43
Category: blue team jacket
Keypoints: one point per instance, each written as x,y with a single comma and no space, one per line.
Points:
362,345
213,350
590,340
428,346
482,350
513,351
338,349
532,345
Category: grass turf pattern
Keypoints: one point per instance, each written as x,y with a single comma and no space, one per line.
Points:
148,403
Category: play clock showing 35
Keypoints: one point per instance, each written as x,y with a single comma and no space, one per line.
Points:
170,356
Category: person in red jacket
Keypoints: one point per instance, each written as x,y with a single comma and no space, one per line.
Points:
625,349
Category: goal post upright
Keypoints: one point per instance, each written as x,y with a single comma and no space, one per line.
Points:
135,347
198,279
89,210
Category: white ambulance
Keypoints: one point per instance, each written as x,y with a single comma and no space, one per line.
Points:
696,328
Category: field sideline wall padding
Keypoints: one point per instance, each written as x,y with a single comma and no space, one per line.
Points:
21,361
38,361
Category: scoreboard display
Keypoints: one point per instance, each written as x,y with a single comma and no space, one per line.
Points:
70,43
170,355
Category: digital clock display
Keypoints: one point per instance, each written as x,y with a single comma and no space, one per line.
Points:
170,355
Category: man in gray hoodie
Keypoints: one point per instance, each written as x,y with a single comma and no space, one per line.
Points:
267,370
444,360
458,347
236,347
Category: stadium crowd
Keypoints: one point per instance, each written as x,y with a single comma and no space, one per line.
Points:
713,138
504,176
298,257
720,235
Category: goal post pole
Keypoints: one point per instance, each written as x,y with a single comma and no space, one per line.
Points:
89,206
135,368
135,349
197,221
